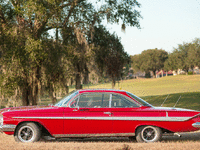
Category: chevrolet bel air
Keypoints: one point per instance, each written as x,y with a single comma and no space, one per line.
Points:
97,113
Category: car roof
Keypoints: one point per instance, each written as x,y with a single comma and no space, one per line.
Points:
101,90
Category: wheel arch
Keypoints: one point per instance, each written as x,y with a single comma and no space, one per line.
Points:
44,130
163,129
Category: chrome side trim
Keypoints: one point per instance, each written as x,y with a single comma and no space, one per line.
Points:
38,117
8,128
132,118
93,135
115,118
196,125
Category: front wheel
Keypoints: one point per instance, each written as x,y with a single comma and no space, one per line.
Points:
27,132
148,134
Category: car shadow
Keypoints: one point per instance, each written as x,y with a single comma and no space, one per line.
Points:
92,139
192,136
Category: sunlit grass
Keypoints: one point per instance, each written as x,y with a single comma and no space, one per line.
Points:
157,86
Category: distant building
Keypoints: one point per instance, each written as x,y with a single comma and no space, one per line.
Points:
139,74
163,73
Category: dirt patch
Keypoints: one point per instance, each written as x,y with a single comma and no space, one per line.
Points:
187,141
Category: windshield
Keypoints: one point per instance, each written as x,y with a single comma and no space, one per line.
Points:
144,103
67,98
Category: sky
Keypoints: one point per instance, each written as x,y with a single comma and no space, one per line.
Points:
165,24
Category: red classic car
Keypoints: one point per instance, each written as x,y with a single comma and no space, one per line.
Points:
97,113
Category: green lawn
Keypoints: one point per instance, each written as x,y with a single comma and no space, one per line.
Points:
157,86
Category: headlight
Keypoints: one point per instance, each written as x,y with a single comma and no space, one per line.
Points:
1,119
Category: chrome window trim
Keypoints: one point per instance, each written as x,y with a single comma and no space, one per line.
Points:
110,100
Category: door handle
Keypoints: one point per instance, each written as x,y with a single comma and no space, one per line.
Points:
84,109
108,113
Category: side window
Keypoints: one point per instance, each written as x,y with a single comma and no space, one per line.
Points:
105,100
122,102
94,100
73,104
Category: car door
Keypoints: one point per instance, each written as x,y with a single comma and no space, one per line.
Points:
124,112
89,113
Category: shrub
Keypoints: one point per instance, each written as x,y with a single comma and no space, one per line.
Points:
190,73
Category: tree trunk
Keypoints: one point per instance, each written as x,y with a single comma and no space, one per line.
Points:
86,75
113,83
67,89
154,73
25,93
34,88
78,76
52,93
72,81
35,94
78,81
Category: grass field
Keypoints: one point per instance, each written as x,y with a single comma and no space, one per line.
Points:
157,86
155,91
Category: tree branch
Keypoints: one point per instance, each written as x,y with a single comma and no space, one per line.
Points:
69,14
2,16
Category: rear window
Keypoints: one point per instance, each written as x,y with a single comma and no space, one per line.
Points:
141,101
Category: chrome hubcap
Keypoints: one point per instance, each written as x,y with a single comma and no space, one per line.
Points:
26,134
149,134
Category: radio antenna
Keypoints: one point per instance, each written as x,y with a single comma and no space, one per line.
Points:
177,102
164,100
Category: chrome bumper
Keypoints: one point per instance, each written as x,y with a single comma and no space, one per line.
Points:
7,128
196,124
1,129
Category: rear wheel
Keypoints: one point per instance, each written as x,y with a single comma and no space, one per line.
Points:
148,134
27,132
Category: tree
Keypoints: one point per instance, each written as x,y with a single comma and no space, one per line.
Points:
194,53
81,25
184,57
172,62
110,56
136,63
150,60
24,29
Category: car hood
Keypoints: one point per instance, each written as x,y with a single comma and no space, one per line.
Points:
21,108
